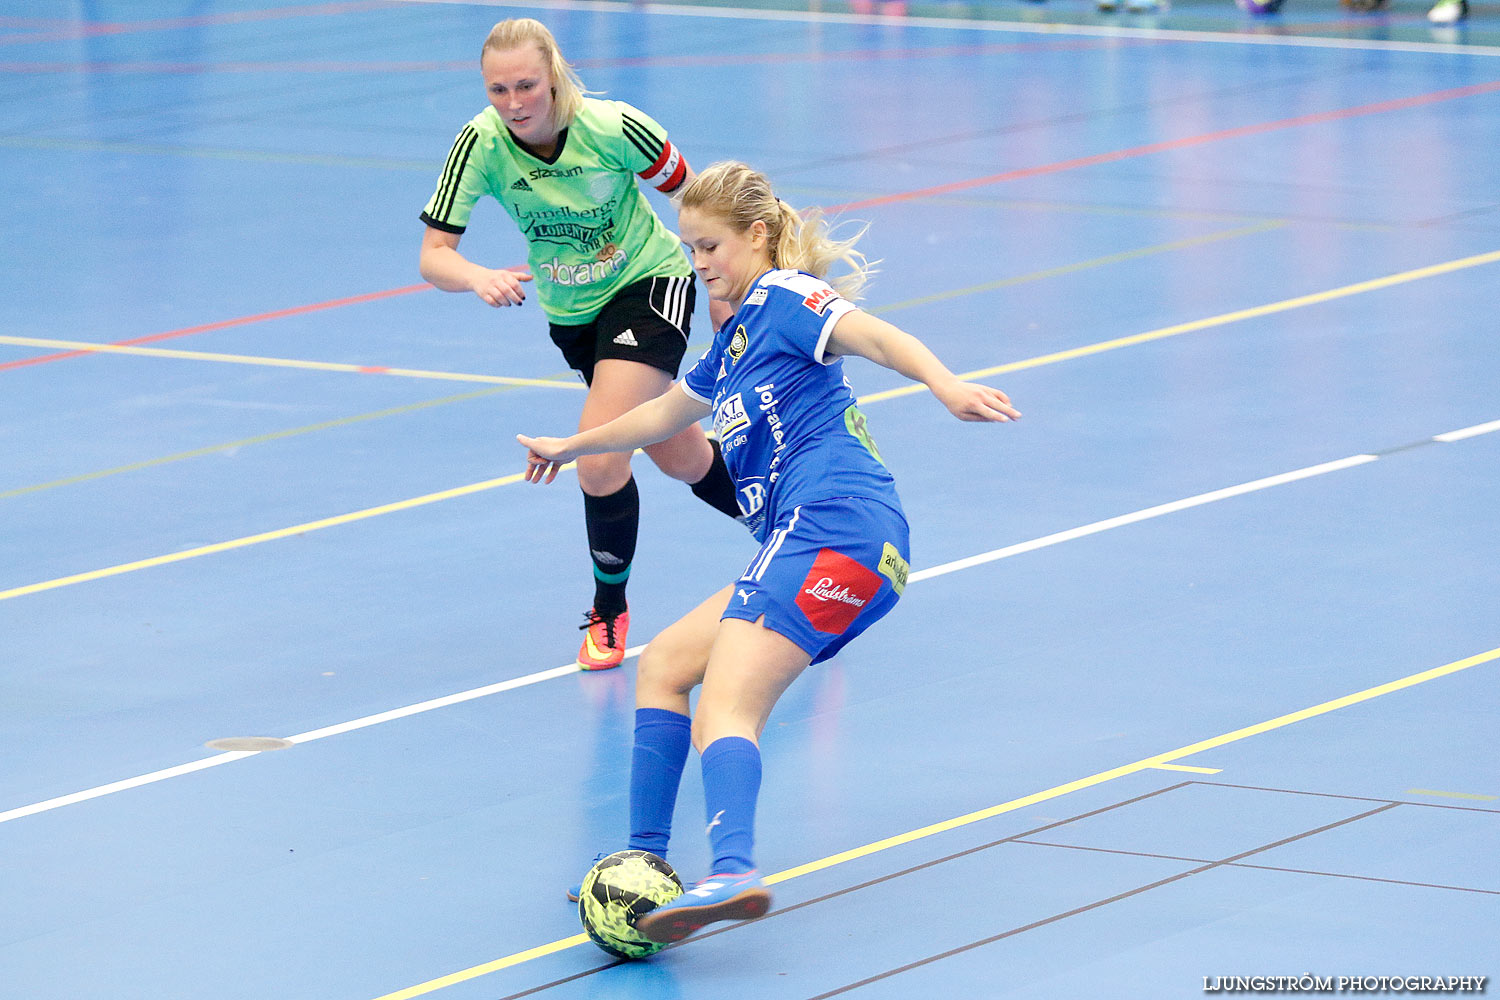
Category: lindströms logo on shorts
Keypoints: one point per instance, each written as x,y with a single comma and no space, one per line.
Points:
835,591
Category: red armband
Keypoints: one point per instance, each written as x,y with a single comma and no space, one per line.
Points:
667,172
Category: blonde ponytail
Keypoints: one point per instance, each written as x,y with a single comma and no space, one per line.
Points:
740,196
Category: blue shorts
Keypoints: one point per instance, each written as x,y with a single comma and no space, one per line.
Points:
829,570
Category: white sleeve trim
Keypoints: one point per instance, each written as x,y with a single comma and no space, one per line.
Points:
693,395
837,310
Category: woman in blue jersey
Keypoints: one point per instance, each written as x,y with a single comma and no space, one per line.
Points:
611,278
833,556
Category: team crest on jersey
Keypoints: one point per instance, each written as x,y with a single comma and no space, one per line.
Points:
820,300
738,344
835,591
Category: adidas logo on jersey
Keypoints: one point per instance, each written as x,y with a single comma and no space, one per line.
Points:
520,185
627,338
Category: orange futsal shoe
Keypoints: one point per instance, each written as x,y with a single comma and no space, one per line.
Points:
603,640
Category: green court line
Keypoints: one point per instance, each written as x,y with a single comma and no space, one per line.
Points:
1453,795
210,153
893,307
259,439
1057,272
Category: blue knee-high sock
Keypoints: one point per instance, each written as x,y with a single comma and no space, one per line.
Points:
662,740
731,784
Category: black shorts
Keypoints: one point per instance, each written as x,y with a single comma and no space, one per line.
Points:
646,321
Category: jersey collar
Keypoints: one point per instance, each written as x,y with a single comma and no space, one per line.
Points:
557,149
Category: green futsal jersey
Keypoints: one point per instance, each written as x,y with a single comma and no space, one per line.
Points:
589,229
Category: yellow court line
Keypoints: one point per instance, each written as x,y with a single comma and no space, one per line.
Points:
1190,769
1286,305
1108,345
251,359
265,536
1058,791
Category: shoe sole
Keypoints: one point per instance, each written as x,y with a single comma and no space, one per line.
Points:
668,925
597,666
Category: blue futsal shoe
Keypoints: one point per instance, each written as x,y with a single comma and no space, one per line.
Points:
576,890
718,897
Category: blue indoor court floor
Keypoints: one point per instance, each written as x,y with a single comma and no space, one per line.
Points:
1199,671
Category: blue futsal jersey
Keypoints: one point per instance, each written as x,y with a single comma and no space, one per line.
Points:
784,413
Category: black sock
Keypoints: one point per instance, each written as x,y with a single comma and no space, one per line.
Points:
612,522
716,488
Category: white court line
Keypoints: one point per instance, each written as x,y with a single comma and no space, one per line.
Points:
1045,541
1468,432
308,737
1019,27
1143,515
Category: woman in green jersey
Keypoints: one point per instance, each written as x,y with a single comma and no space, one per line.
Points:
612,279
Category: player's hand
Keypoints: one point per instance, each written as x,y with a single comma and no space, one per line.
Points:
545,457
975,402
502,287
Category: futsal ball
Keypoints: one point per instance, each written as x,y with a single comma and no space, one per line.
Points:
1259,6
616,892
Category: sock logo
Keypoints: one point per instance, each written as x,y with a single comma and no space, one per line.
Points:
606,558
718,816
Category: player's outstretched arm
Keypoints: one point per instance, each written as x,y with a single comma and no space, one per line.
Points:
654,420
867,336
445,267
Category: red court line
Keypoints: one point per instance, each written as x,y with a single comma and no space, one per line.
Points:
89,30
225,323
188,68
1320,117
452,66
1048,168
862,55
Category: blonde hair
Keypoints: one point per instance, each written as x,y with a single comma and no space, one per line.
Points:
740,196
567,89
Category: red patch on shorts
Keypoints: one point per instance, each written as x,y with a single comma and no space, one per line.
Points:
836,590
